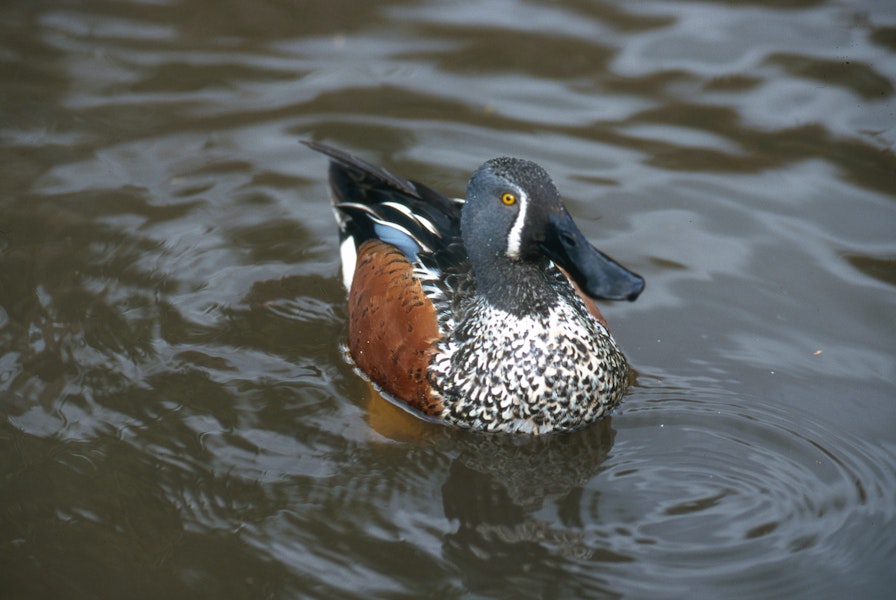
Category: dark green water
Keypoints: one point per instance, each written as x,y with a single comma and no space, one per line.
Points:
177,419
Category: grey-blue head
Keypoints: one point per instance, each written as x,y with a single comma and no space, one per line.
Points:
514,216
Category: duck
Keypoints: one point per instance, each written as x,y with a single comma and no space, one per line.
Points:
480,312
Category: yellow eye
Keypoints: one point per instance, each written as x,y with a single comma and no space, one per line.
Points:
508,199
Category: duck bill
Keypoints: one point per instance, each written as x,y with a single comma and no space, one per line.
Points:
594,272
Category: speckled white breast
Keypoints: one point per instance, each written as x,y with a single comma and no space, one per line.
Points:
534,373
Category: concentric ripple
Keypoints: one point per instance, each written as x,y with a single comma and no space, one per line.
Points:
739,488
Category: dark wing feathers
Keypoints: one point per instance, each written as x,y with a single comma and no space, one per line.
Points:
363,168
373,203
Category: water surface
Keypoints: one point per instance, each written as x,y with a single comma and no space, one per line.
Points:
178,419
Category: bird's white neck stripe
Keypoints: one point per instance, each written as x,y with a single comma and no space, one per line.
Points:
515,235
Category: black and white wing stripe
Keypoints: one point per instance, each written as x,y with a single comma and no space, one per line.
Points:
373,203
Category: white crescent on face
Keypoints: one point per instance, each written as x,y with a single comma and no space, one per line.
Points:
515,235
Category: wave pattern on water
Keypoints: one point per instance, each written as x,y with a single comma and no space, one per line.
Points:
177,415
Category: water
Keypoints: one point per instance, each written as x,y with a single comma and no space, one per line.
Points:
177,416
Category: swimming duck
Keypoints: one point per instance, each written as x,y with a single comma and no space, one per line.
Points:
479,312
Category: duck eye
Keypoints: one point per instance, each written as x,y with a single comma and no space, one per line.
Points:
508,198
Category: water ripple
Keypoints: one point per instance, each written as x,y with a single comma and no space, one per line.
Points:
740,483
